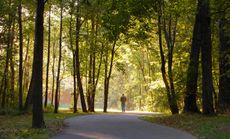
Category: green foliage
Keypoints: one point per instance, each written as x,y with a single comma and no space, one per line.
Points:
10,111
19,126
201,126
116,20
49,109
133,25
140,8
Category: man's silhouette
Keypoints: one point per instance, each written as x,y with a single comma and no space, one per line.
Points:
123,100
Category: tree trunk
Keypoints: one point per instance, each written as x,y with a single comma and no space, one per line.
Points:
93,91
12,71
20,55
28,101
224,52
192,72
106,84
206,56
29,98
56,105
92,81
75,94
169,87
48,59
107,76
97,78
91,75
95,81
170,41
5,80
37,120
26,66
90,84
74,65
53,73
79,82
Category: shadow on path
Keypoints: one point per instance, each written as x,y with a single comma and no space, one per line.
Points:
117,126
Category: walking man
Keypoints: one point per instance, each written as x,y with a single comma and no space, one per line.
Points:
123,100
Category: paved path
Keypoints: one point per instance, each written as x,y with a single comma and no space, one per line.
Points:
117,126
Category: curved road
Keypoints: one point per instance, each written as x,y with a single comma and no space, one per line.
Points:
117,126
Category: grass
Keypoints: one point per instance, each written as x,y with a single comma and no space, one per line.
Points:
204,127
19,126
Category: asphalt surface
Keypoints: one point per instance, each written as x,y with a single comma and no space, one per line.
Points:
117,126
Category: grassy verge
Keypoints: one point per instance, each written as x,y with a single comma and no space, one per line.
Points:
215,127
19,126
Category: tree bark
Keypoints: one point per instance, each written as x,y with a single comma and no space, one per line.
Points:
108,73
90,84
48,59
29,98
12,71
190,104
20,55
168,84
106,84
5,79
91,73
26,67
27,81
79,82
56,105
170,41
75,96
224,52
206,56
97,77
37,120
53,80
192,72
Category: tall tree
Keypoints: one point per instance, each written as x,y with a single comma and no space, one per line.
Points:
108,72
94,71
56,104
11,94
53,77
29,96
90,84
192,72
206,57
6,88
201,40
5,77
75,94
224,65
96,77
20,55
170,36
48,58
79,82
38,120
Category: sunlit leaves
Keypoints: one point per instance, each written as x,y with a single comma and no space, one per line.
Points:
116,20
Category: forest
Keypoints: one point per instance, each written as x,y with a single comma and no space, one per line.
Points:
164,55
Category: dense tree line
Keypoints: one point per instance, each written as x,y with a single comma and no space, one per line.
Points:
147,49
